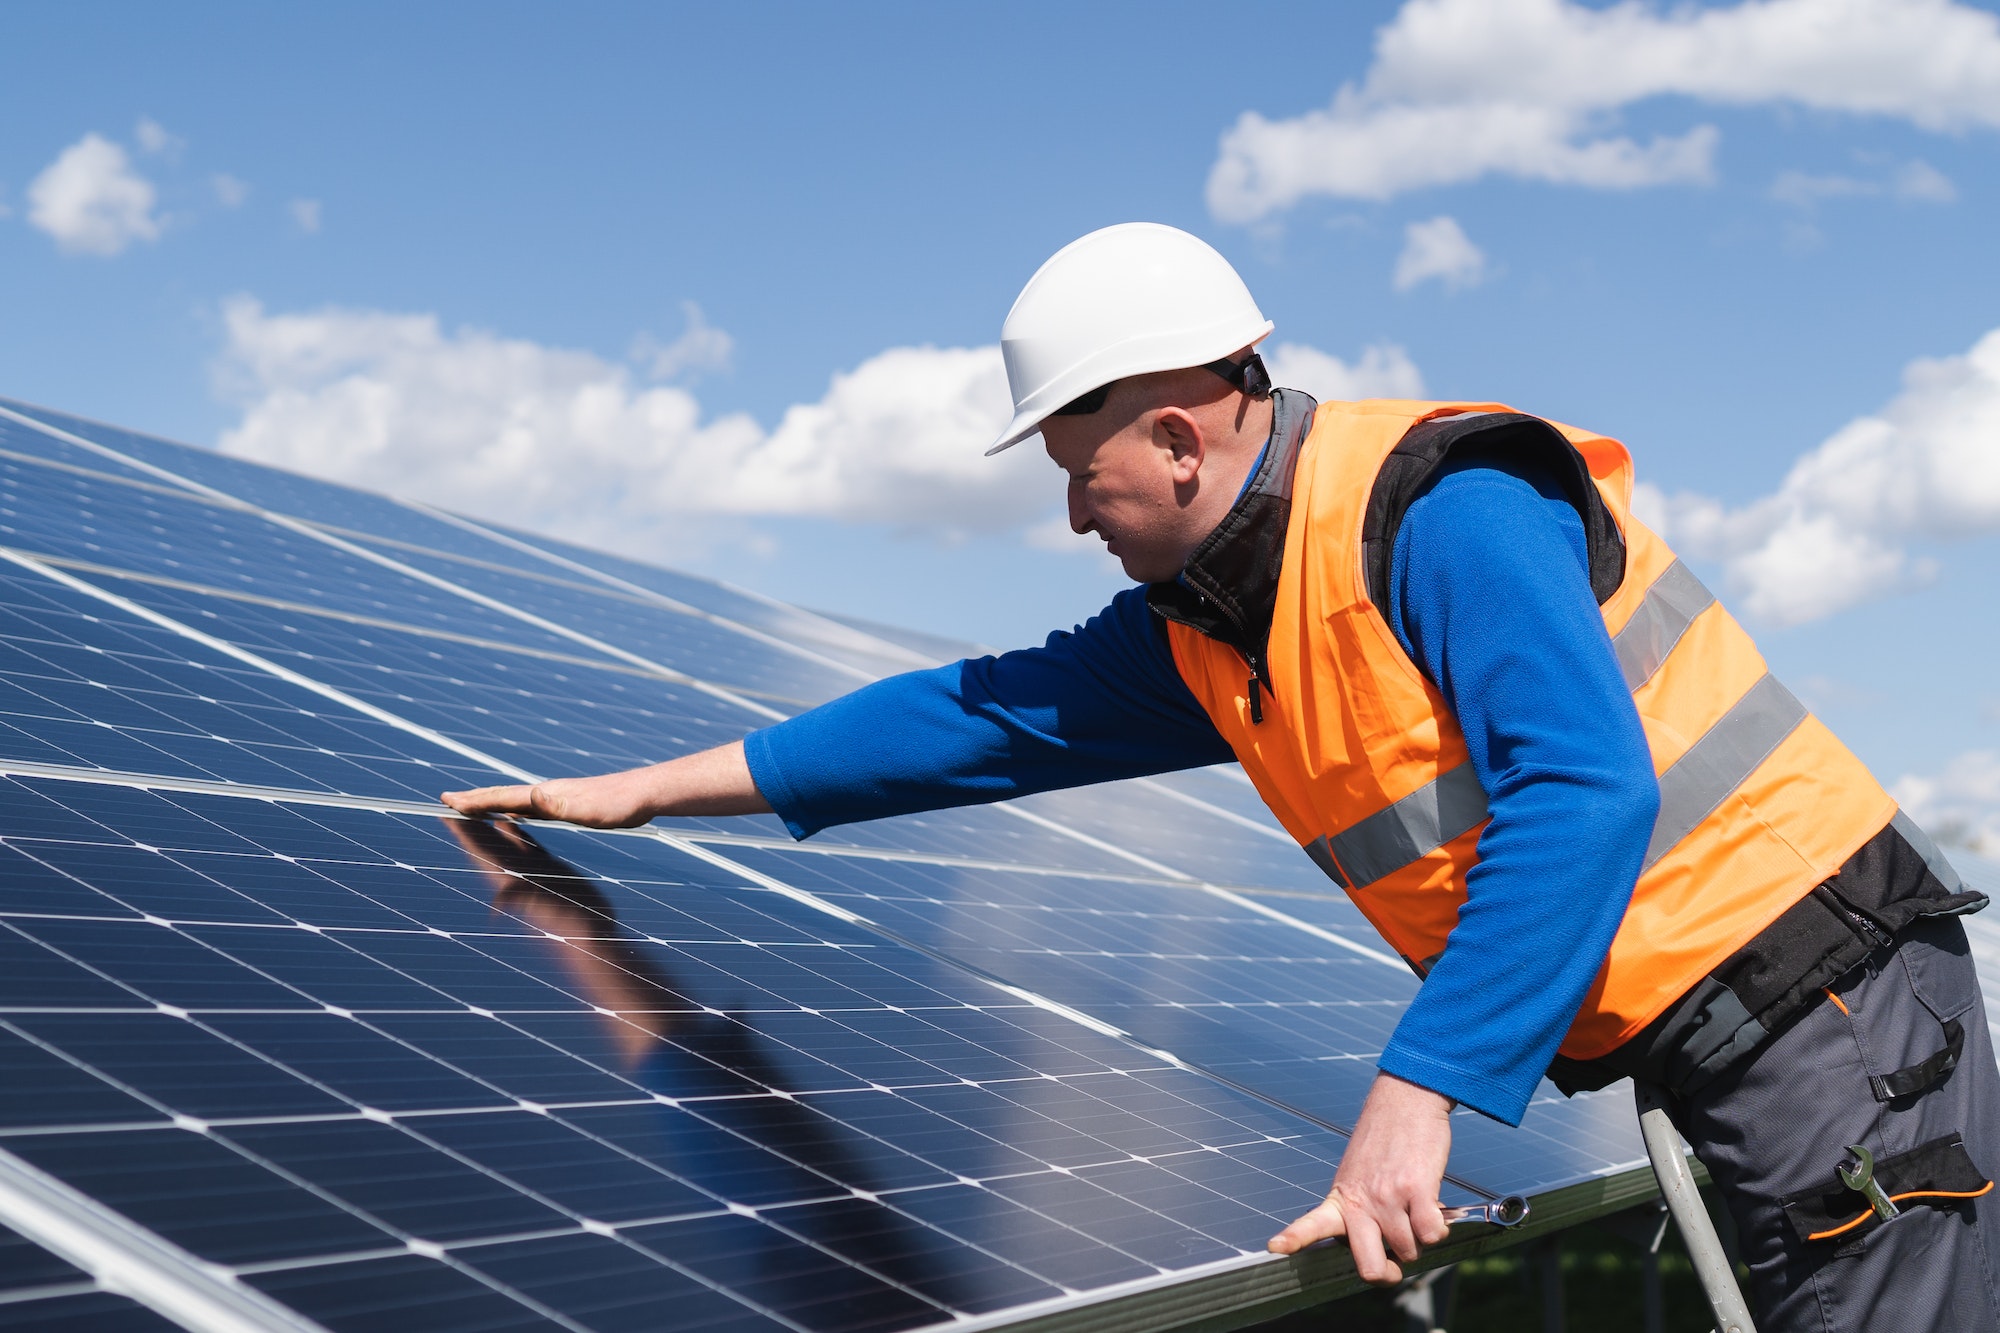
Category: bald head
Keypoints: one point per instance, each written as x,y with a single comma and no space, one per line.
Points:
1156,467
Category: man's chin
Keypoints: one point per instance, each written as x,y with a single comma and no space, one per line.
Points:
1139,570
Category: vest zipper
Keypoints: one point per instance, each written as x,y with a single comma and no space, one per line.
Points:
1258,684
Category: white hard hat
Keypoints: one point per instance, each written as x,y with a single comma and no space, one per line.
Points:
1127,300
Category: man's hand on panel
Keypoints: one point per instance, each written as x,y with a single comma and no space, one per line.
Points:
615,800
713,782
1385,1195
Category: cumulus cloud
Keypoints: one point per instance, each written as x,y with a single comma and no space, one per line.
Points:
1960,806
701,348
154,137
1440,250
1461,89
1837,530
1921,181
1917,181
568,442
92,201
305,213
229,191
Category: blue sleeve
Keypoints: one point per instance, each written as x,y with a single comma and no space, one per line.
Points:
1493,600
1099,703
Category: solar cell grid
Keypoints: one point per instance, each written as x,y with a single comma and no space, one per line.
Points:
333,645
268,1086
608,717
24,441
350,512
683,643
1188,834
327,503
818,633
1267,1006
83,684
156,530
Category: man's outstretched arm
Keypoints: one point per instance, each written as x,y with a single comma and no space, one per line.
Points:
714,782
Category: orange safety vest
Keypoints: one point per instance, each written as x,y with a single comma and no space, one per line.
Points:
1362,762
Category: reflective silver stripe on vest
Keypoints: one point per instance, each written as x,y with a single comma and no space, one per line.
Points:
1322,856
1665,613
1412,828
1702,779
1921,841
1720,762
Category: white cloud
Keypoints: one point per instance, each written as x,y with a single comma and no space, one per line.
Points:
154,138
1383,371
1461,89
701,347
1921,181
1960,807
1837,529
92,201
1803,189
229,191
305,212
1917,181
568,442
1439,249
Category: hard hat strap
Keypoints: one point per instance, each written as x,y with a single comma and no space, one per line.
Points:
1248,375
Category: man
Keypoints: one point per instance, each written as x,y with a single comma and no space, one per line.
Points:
1495,708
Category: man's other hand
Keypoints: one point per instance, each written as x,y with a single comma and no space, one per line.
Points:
1385,1195
714,782
616,800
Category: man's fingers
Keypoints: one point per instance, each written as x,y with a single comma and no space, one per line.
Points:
1398,1236
1427,1219
1365,1240
480,801
1322,1223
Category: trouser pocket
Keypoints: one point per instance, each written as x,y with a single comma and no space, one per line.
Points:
1910,1010
1924,1268
1921,1273
1938,1174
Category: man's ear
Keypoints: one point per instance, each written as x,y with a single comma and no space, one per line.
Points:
1176,431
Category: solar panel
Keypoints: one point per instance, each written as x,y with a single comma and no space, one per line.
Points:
267,1011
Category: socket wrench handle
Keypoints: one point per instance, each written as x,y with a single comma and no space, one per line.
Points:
1508,1212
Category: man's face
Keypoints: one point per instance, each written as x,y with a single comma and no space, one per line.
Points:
1124,485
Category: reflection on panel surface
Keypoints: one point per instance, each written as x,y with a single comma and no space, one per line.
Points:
1235,993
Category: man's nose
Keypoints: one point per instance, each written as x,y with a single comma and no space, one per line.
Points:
1079,515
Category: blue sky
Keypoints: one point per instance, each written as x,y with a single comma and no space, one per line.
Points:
454,249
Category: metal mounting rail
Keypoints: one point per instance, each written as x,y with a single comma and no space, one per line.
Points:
1237,1293
127,1259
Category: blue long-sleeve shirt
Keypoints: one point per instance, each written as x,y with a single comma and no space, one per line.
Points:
1491,598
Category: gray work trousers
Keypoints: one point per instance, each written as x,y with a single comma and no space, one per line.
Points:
1778,1123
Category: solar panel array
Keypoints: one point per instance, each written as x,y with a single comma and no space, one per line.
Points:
266,1011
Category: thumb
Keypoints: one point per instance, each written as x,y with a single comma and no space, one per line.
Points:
1322,1223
